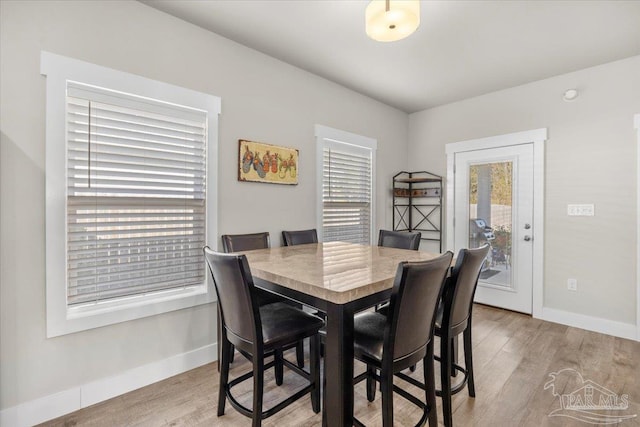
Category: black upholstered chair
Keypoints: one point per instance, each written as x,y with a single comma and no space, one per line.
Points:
301,237
247,242
390,343
454,318
258,331
399,239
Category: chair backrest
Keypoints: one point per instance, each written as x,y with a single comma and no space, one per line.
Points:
412,307
234,286
299,237
461,286
399,239
245,242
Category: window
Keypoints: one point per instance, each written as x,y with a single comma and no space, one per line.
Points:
130,195
135,195
346,165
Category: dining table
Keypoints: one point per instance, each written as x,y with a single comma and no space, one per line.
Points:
339,279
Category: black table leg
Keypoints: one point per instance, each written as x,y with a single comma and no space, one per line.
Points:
338,366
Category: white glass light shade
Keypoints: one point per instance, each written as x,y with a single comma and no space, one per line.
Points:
391,20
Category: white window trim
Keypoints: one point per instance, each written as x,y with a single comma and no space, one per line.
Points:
323,133
61,319
636,121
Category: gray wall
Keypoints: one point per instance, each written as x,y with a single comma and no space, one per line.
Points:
262,99
590,158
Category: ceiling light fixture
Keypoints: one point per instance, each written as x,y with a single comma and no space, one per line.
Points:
388,21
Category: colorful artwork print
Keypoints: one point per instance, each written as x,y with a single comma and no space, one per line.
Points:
267,163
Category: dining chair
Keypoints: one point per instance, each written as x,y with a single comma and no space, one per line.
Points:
301,237
454,318
399,239
259,331
390,343
246,242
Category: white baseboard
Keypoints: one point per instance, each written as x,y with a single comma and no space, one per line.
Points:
58,404
591,323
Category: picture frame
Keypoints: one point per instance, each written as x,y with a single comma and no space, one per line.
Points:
267,163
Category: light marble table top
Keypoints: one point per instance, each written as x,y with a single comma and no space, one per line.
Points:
337,272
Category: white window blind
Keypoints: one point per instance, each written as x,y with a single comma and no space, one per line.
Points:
136,195
346,192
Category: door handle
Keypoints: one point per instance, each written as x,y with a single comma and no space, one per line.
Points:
527,238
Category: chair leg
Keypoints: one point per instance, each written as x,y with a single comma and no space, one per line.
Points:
468,361
219,338
445,379
386,383
279,371
371,383
300,354
232,355
258,390
454,355
314,370
224,374
430,385
324,393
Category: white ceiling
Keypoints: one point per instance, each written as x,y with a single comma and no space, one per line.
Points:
462,48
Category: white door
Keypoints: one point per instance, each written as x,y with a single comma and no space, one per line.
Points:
493,204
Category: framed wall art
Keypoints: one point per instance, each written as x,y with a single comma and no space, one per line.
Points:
268,163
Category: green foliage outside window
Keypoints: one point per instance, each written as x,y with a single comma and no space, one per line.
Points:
501,180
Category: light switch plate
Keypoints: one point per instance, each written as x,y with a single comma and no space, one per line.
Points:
581,210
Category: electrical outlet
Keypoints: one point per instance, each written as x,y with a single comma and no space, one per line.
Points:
572,284
581,210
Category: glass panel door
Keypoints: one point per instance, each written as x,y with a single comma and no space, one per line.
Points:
490,218
493,204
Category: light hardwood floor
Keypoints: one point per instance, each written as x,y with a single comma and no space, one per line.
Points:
513,357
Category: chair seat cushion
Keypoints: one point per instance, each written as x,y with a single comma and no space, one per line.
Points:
283,324
368,336
455,329
384,310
